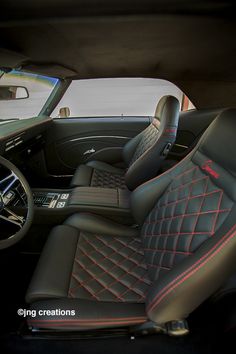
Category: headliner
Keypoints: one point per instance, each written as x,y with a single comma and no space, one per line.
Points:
191,44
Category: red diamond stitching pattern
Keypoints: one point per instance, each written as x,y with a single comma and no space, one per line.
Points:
108,268
186,215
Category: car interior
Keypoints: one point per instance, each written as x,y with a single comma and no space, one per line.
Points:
117,229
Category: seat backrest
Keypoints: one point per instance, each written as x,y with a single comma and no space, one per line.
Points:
144,153
189,224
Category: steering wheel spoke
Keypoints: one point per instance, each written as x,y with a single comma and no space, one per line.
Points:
7,183
14,218
11,220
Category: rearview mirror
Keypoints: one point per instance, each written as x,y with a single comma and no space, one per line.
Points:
8,93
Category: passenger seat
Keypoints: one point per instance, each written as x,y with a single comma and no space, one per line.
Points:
142,155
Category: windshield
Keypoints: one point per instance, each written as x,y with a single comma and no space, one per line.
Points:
39,88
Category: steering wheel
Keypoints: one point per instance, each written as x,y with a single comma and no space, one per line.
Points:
12,179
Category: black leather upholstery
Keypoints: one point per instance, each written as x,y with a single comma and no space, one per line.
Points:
182,252
142,155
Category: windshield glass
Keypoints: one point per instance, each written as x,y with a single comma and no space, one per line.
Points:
38,87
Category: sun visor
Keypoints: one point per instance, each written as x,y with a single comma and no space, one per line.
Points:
10,59
53,70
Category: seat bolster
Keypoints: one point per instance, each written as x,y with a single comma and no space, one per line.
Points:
194,279
82,176
87,314
99,225
51,278
147,195
130,147
149,192
103,166
148,164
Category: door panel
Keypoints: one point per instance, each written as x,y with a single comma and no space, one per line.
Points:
73,141
82,150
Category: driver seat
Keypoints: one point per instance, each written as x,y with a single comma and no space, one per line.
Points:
113,275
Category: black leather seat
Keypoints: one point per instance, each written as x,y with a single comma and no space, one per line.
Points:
142,155
113,275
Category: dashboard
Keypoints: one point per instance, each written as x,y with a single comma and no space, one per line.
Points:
22,137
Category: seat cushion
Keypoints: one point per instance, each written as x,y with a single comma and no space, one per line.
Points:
85,314
90,267
99,174
78,269
109,269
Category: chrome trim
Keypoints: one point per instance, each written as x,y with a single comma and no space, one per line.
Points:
100,136
90,151
182,146
60,176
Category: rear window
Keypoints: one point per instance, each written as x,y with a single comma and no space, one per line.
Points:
114,97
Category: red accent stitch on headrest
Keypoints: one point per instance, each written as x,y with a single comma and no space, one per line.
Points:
170,130
206,167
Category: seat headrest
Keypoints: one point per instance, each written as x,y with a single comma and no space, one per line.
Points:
219,140
168,109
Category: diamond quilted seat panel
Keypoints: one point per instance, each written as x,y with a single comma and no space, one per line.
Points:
109,269
189,212
108,180
150,135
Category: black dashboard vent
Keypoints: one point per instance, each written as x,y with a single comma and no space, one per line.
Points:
13,142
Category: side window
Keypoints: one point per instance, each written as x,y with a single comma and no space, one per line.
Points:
128,97
186,105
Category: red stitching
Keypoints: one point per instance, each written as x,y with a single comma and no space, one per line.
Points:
168,171
167,251
217,214
170,130
158,266
84,284
94,319
183,199
191,183
98,280
118,280
143,296
179,233
198,214
169,286
111,275
190,214
185,210
105,245
124,246
60,323
194,168
90,253
99,251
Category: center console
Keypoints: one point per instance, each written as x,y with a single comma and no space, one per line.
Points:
44,199
56,205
